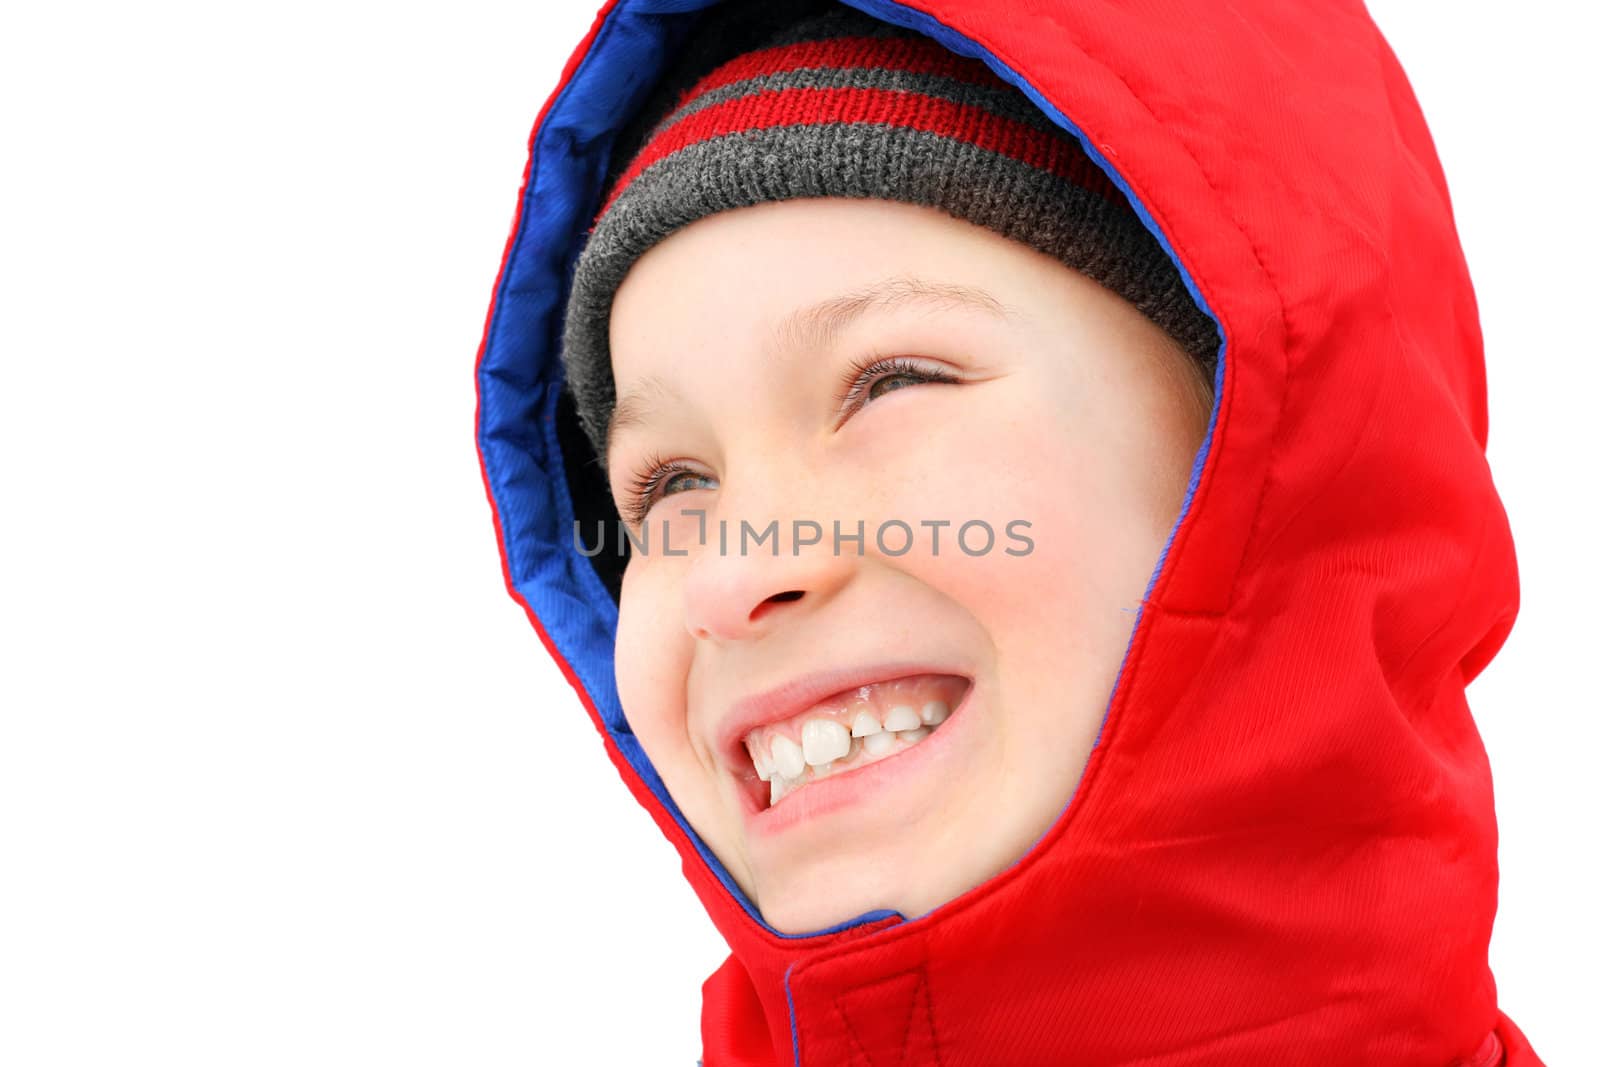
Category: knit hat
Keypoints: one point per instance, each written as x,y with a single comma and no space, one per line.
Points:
805,99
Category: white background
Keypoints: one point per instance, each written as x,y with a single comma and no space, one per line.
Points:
285,775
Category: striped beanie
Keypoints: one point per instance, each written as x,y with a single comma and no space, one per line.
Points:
784,99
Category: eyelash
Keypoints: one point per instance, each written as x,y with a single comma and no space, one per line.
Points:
655,472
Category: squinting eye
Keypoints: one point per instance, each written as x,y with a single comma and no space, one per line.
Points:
865,375
668,483
873,392
653,483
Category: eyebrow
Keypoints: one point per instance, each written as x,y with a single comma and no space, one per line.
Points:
818,326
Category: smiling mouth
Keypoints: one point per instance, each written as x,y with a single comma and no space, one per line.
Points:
851,730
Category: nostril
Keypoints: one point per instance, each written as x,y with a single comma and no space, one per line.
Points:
775,598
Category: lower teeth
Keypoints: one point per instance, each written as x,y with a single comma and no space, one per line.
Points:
863,750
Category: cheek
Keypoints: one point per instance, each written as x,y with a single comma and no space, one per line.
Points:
1092,503
652,657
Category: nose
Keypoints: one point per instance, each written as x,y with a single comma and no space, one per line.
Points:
745,592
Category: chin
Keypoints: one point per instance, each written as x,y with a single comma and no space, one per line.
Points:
831,894
800,917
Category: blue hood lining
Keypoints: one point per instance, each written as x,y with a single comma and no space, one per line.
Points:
520,374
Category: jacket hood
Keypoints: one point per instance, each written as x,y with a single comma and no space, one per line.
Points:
1283,847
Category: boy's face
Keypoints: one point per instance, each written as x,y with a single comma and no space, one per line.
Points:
1068,424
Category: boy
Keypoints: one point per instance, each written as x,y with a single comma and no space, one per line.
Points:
1162,755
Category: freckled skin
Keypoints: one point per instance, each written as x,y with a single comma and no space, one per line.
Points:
1078,416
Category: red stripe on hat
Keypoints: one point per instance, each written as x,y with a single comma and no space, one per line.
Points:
814,107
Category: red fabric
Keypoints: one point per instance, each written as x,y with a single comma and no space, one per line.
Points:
1283,849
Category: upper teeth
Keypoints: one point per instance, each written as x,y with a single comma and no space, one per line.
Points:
903,717
787,758
824,740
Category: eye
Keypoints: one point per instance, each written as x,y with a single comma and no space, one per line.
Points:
894,372
655,480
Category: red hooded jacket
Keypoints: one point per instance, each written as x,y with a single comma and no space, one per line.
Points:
1283,847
